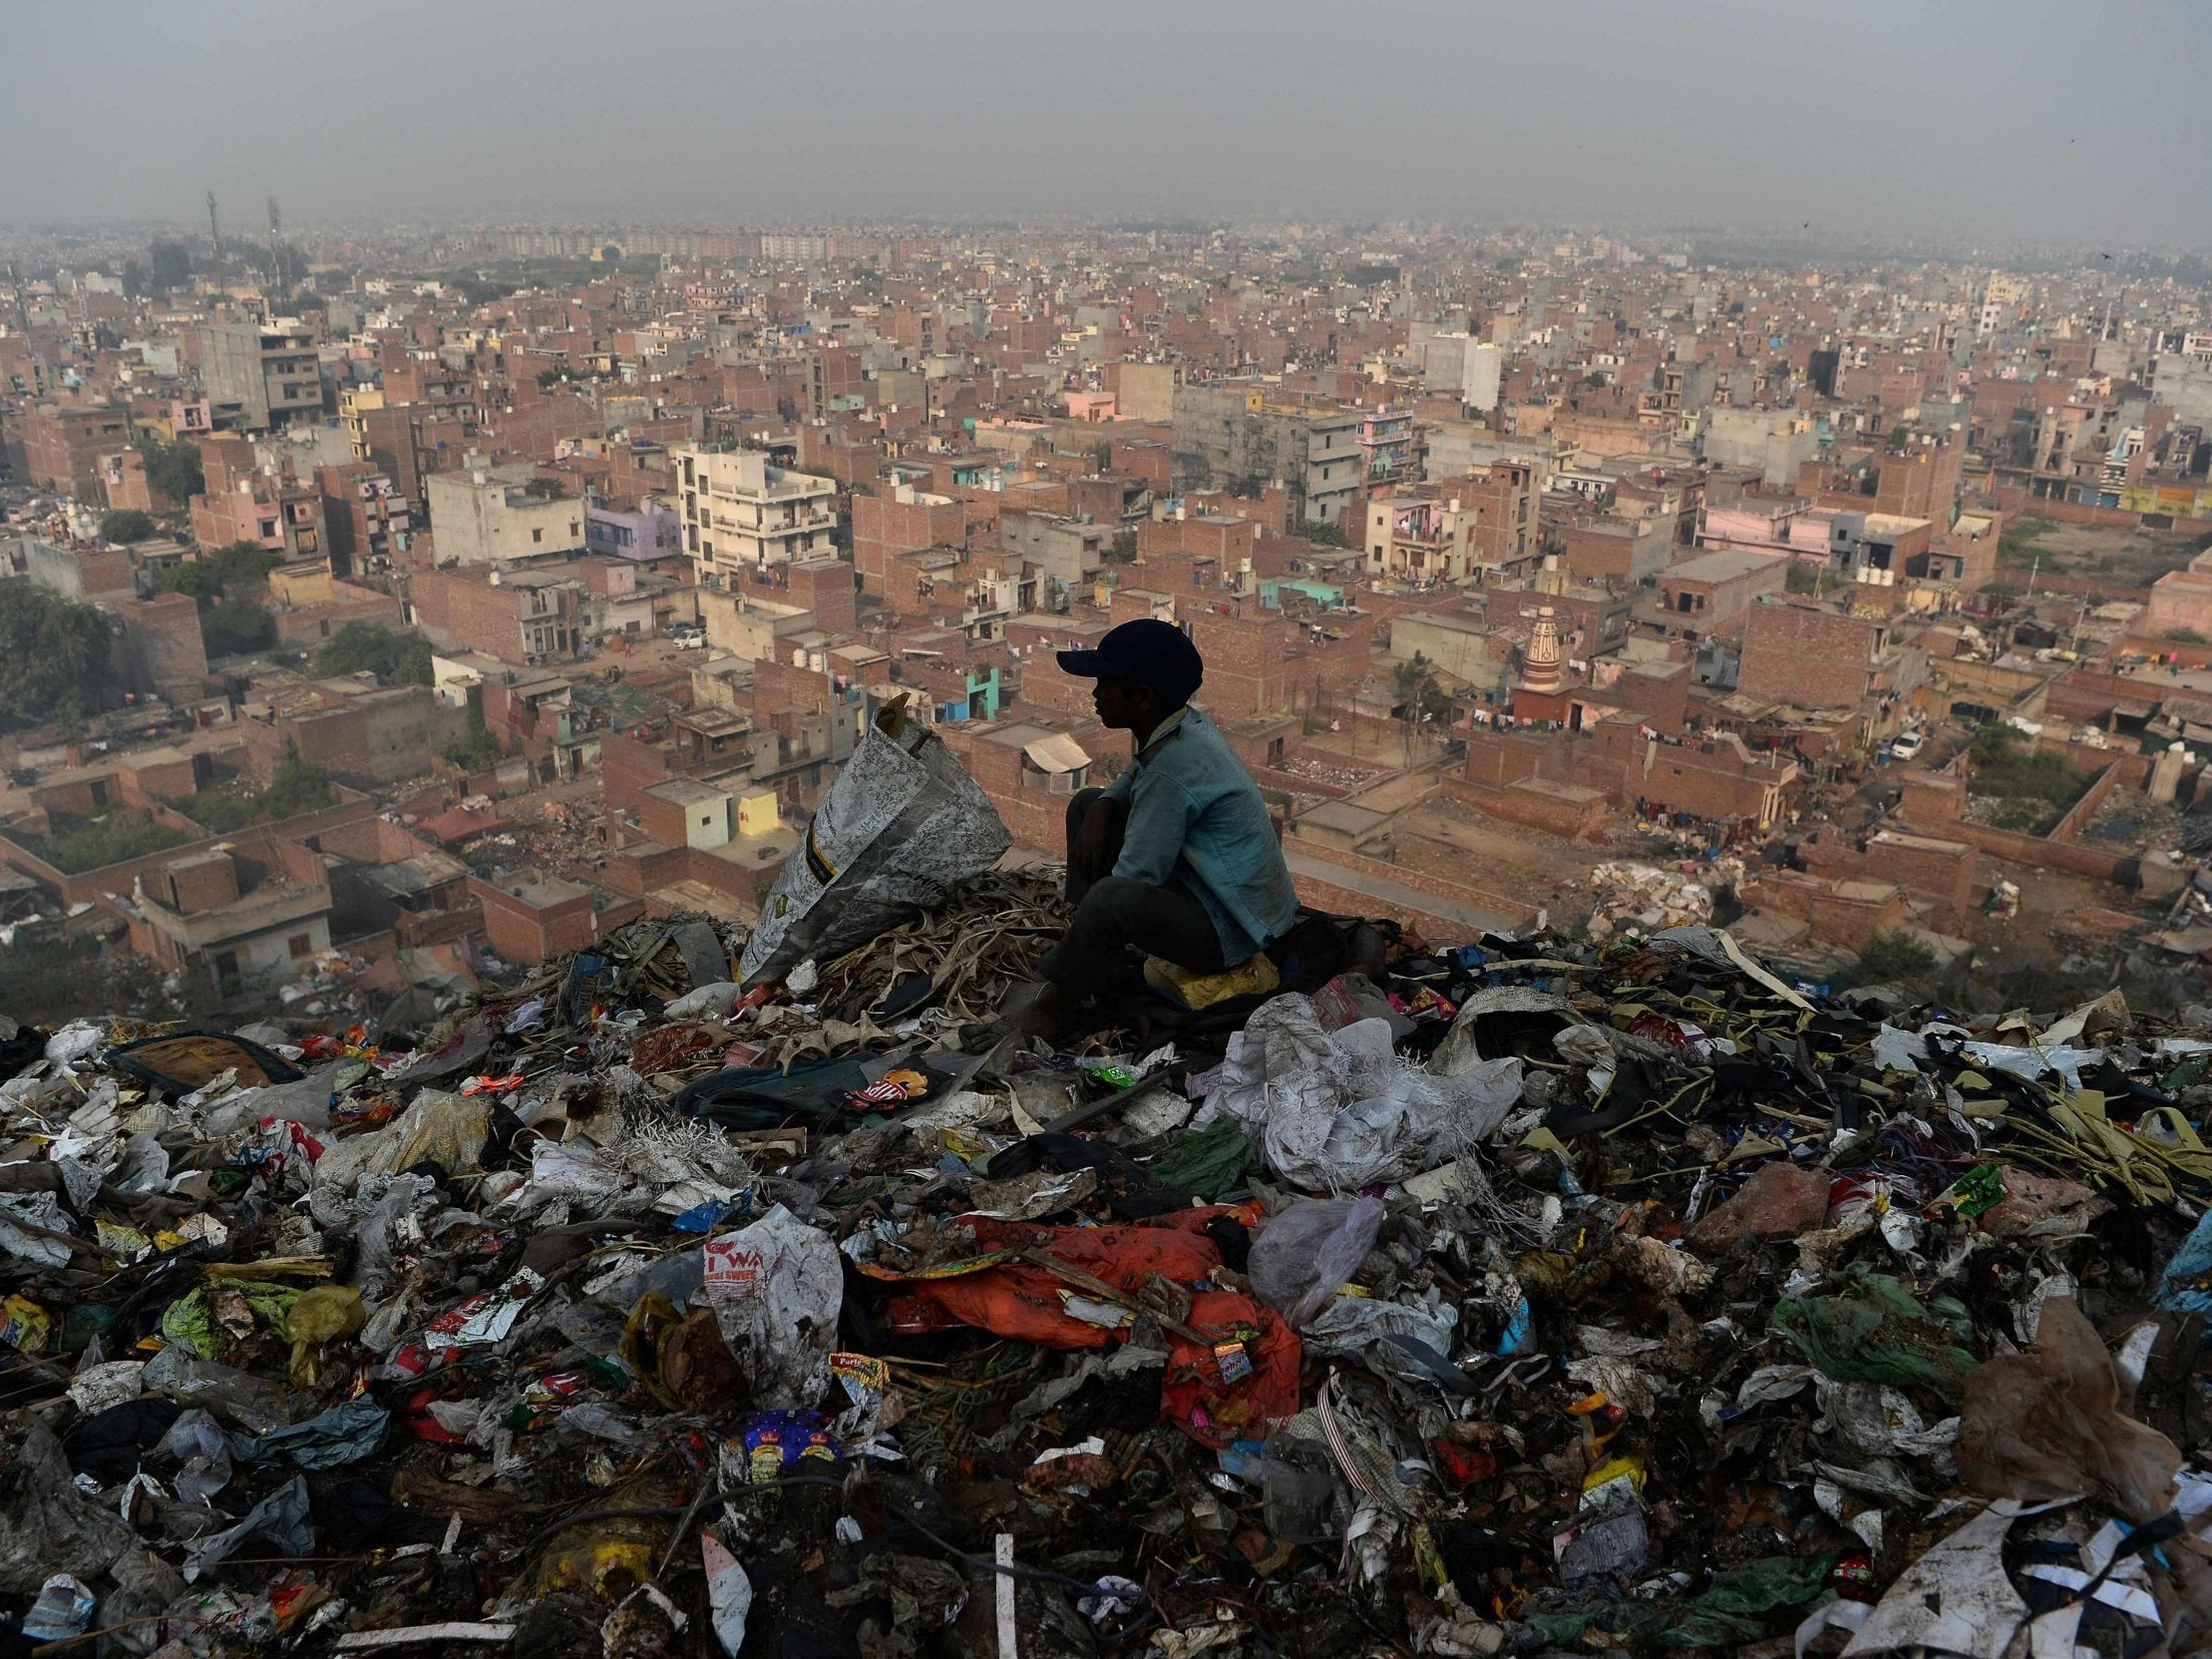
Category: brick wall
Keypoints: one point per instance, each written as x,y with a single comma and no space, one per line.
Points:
1247,668
1942,872
1848,920
1810,658
160,649
1419,881
526,934
824,586
1578,815
884,527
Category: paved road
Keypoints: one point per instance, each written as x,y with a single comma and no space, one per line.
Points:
1395,893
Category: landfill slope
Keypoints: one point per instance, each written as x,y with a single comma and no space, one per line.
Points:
1512,1295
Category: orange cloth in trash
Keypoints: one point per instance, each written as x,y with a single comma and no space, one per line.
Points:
1020,1300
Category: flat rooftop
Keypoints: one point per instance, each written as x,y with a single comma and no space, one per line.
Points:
1723,565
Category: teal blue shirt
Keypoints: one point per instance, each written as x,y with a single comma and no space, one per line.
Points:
1196,823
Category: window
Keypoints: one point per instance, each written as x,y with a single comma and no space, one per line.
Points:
537,535
301,944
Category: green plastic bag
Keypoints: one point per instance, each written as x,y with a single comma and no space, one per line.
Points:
1213,1163
1874,1331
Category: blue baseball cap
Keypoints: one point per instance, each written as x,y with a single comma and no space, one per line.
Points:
1152,652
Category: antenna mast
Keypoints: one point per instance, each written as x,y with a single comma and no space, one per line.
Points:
215,233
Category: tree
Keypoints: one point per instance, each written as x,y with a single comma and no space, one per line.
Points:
544,489
235,628
1420,698
172,469
79,844
134,279
171,265
237,570
364,648
298,785
1323,533
1894,958
53,657
125,525
197,577
473,750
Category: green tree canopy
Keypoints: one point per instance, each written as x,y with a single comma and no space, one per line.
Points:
172,468
237,571
473,750
79,844
236,626
125,525
1892,958
396,659
53,657
298,785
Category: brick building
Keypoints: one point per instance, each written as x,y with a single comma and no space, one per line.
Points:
1813,657
63,445
367,735
232,918
905,521
1621,761
159,648
1714,592
533,916
524,616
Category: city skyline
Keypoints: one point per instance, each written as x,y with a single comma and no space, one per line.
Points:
1972,123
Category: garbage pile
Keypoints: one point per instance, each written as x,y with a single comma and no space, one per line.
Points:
1643,898
1524,1295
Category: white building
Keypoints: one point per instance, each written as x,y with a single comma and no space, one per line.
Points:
741,513
490,516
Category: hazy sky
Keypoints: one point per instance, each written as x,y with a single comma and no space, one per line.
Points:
2035,117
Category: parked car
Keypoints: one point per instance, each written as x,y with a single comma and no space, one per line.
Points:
1907,744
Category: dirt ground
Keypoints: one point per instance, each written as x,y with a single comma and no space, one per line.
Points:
1449,842
2108,552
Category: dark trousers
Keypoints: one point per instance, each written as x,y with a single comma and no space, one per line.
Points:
1114,913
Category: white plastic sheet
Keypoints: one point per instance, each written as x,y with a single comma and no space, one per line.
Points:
776,1288
1334,1111
898,828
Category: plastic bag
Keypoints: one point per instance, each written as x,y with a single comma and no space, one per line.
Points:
2047,1424
1214,1163
1874,1332
776,1288
1304,1254
899,827
321,1315
1334,1110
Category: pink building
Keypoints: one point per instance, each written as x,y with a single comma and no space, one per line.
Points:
1768,527
1090,406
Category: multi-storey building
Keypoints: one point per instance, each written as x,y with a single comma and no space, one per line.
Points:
743,515
1231,437
261,374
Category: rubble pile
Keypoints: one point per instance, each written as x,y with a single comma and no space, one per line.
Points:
1644,898
1518,1296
